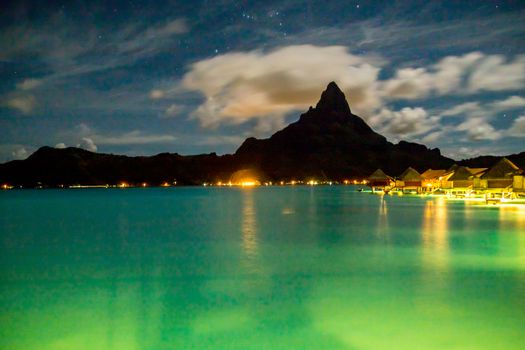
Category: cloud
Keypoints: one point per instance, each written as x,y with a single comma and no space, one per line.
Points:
74,47
433,136
468,74
513,102
479,129
60,145
467,152
493,74
460,109
28,84
20,153
441,78
173,110
23,103
518,127
88,144
405,122
266,85
135,137
156,94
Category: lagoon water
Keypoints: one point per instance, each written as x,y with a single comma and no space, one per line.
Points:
299,267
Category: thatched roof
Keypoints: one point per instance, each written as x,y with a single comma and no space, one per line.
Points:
379,175
453,168
433,174
477,171
410,174
504,169
461,173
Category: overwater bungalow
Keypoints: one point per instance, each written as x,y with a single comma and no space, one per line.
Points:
379,181
409,181
503,181
504,176
465,181
433,179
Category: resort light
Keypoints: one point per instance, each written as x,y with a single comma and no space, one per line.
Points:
248,183
165,184
123,185
144,184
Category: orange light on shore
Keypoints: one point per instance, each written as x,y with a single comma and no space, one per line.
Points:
165,184
248,183
123,185
144,184
6,187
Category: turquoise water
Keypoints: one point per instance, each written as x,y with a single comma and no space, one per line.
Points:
260,268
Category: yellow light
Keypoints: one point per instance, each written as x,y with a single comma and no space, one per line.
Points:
282,183
248,183
144,184
123,185
165,184
293,182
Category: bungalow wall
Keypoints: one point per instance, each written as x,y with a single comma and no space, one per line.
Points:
379,183
447,184
518,183
462,183
499,183
412,183
477,183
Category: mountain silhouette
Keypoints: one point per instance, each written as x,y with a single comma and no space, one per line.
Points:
328,142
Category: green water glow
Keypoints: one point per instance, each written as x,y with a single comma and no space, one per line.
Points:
258,268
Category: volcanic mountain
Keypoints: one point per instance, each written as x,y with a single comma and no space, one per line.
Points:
327,142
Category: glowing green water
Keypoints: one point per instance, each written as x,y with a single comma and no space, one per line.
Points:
264,268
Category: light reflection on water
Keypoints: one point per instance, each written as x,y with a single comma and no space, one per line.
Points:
435,232
280,268
249,230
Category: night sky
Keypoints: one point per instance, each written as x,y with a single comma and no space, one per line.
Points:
138,77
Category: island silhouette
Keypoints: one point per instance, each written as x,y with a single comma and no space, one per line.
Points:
327,143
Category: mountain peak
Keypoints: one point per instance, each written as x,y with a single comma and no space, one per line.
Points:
333,100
